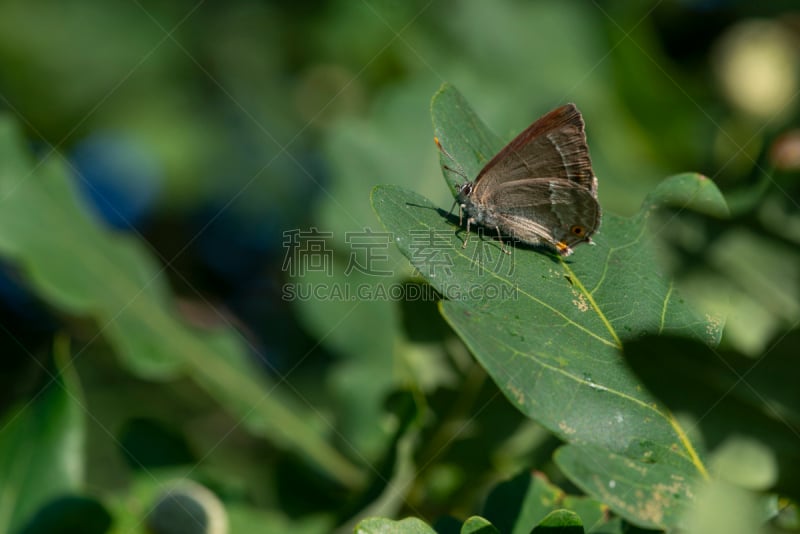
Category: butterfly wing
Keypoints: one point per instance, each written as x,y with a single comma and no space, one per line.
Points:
555,212
552,147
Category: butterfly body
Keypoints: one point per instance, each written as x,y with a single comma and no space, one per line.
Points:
540,189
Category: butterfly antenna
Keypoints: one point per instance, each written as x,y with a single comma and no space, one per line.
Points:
460,170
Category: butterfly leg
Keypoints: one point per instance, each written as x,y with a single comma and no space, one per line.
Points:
470,220
500,237
449,213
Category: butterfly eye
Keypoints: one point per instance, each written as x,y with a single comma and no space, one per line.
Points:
578,230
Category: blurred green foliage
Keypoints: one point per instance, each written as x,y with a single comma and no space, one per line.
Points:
158,156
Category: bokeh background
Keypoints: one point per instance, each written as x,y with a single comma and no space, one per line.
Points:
210,131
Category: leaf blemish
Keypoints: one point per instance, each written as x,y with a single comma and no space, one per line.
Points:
580,302
712,326
565,428
519,396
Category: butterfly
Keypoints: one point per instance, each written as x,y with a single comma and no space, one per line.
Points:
540,189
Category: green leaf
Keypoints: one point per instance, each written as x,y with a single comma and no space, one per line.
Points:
84,269
690,191
732,396
468,142
478,525
560,522
652,493
519,504
41,447
593,513
377,525
549,330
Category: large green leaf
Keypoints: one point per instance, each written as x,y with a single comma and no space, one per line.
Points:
549,330
83,269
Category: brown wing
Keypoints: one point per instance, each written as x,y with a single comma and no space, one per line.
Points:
548,210
552,147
